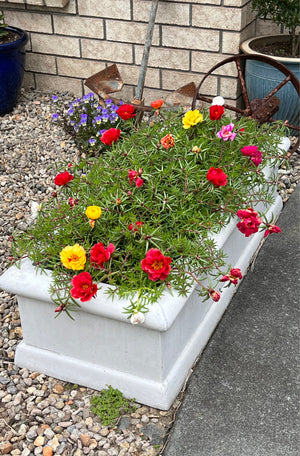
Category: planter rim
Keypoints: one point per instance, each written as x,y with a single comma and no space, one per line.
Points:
246,48
17,43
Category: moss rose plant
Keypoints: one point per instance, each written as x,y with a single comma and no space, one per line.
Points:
140,217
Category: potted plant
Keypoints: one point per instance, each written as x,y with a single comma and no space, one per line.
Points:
260,77
144,241
12,63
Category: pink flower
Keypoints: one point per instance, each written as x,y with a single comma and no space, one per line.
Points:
83,287
234,275
99,254
156,265
250,221
226,132
272,229
217,177
254,154
249,150
256,158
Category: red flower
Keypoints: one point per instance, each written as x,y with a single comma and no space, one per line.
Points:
126,111
132,174
63,178
216,112
217,177
272,229
110,136
250,221
156,265
99,254
73,202
234,276
167,141
157,104
215,295
139,182
83,287
135,228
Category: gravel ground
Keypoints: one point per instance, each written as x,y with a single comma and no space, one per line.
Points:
39,414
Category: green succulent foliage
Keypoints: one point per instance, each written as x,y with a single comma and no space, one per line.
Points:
3,31
177,205
110,404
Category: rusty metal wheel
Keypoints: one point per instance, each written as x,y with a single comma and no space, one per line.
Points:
261,110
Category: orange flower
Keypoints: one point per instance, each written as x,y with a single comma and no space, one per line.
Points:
157,104
167,141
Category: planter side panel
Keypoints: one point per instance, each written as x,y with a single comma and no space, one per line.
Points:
91,338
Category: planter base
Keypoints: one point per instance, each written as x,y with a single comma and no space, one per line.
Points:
149,362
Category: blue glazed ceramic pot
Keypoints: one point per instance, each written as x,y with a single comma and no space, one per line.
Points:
12,63
261,78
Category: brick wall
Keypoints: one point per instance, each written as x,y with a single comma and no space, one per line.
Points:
73,39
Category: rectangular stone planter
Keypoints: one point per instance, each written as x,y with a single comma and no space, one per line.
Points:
149,362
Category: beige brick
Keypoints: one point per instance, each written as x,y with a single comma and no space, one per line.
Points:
230,43
48,3
217,17
150,95
203,62
126,94
165,58
130,32
267,28
29,21
235,2
40,63
202,2
51,44
70,8
15,1
78,68
130,74
57,83
247,15
120,9
167,12
172,80
107,50
190,38
229,89
78,26
28,80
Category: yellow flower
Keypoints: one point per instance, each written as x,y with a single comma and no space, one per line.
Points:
93,212
192,118
73,257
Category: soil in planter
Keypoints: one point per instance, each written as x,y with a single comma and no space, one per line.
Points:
276,49
9,38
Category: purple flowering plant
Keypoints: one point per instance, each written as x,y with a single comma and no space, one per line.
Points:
86,119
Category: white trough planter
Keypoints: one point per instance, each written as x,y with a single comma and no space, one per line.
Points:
101,347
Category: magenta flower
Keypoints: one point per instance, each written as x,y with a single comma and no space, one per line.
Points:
226,132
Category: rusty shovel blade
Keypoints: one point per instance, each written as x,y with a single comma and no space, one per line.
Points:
105,82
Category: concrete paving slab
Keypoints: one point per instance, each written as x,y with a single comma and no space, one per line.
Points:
242,398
